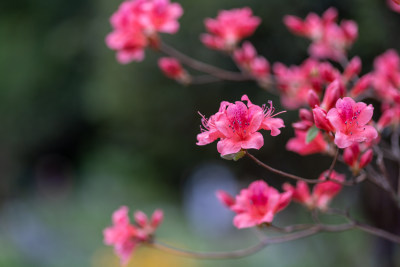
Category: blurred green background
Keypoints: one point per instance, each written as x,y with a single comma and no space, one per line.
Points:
81,135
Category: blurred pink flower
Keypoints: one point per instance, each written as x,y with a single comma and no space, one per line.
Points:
247,58
230,27
350,121
329,40
386,77
125,237
322,193
237,126
394,5
135,26
256,205
173,69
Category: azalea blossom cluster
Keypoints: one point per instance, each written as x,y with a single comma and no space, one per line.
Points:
329,39
258,204
331,98
136,25
125,237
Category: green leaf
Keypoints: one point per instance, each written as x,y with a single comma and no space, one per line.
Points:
235,156
311,134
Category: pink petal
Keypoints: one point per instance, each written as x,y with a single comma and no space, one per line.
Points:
244,220
255,140
228,146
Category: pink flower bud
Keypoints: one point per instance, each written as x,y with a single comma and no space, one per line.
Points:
156,218
330,15
245,54
313,99
362,84
386,119
305,115
332,94
350,154
366,158
353,68
294,24
141,218
225,198
259,67
350,30
321,121
171,67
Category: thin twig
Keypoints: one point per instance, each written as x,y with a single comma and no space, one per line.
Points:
203,67
333,163
295,177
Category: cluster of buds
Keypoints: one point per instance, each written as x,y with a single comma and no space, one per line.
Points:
125,237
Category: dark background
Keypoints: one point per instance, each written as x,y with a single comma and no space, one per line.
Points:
81,135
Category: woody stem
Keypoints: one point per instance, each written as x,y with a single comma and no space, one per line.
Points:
203,67
292,176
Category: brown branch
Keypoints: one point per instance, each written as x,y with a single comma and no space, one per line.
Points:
203,67
295,177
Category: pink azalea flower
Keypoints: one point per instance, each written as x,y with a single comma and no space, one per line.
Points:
329,40
256,205
237,125
322,194
386,77
125,237
350,122
230,27
299,145
135,26
247,58
159,16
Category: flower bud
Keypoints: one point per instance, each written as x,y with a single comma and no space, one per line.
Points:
353,68
350,30
366,158
332,94
385,119
350,155
156,218
141,218
362,84
294,24
173,69
225,198
312,99
321,121
305,115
